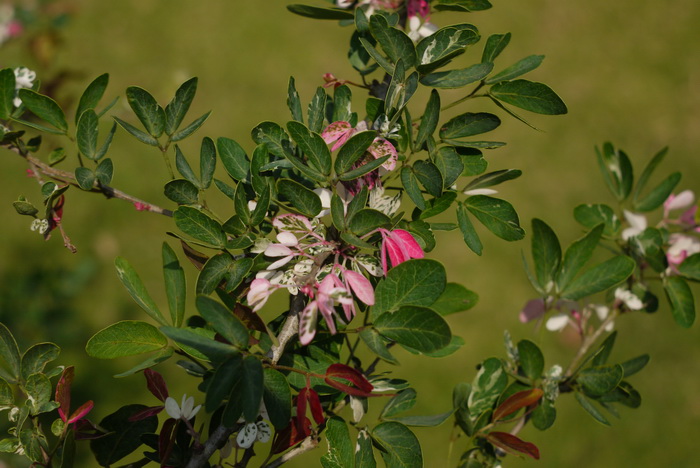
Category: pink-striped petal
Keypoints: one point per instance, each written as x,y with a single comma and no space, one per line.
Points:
361,286
380,148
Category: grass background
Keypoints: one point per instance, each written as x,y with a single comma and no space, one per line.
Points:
629,72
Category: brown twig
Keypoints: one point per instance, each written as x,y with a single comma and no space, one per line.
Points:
310,443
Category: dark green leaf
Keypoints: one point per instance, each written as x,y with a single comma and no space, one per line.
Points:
36,357
497,215
341,452
395,43
544,415
85,178
616,169
690,268
213,272
599,278
175,285
190,129
221,383
367,220
494,46
312,145
444,43
577,255
493,178
488,384
603,353
418,328
469,124
410,184
634,365
374,53
429,176
125,338
194,223
176,109
436,206
592,215
457,78
342,104
149,113
531,359
681,299
92,95
471,238
104,171
377,344
517,69
401,402
9,352
86,134
316,110
364,455
430,119
399,446
455,298
546,253
414,282
207,346
7,92
293,101
529,95
648,171
124,435
133,284
233,158
140,135
277,397
301,198
320,13
352,150
658,195
223,321
364,169
598,380
207,162
182,192
45,108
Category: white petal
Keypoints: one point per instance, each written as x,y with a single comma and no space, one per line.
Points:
172,408
635,220
186,406
601,311
282,261
682,200
481,191
287,238
278,250
325,195
264,431
247,435
557,322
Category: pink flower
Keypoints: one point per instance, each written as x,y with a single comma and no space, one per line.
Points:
260,291
534,309
677,202
400,246
681,247
337,132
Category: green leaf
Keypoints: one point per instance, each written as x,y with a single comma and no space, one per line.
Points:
517,69
494,46
577,255
262,207
252,392
457,78
471,238
364,455
341,452
104,171
175,285
204,344
395,43
301,198
399,446
352,150
194,223
650,245
603,352
126,338
469,124
45,108
207,162
531,359
153,360
7,92
647,172
85,178
176,109
293,101
86,134
591,216
363,169
123,435
658,195
497,215
616,169
222,382
190,129
690,268
444,44
374,53
430,119
377,344
92,95
529,95
223,321
9,352
133,284
599,278
182,192
23,207
488,384
342,104
320,13
147,110
34,360
401,402
546,253
213,273
312,145
34,444
429,176
598,380
277,397
493,178
544,415
140,135
184,168
367,220
424,421
463,6
634,365
455,298
681,299
418,328
414,282
410,184
316,110
234,158
436,206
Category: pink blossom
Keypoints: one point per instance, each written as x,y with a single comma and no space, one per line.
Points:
380,148
360,286
681,247
677,202
400,246
337,132
260,291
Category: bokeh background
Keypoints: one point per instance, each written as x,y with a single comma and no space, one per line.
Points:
629,72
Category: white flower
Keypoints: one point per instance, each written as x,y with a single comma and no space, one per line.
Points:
481,191
682,200
602,312
637,222
681,247
417,29
40,225
629,299
558,322
186,410
344,3
251,432
24,78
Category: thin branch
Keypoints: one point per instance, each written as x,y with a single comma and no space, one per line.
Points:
217,439
306,445
290,327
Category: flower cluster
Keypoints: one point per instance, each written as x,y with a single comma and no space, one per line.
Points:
417,13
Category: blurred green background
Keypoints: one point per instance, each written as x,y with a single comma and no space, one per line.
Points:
629,72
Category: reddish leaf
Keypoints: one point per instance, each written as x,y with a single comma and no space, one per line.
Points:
301,405
165,445
86,430
341,371
63,392
291,435
516,401
146,413
197,258
512,444
80,412
316,408
156,384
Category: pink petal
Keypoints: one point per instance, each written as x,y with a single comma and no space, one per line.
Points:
533,309
307,323
80,412
156,384
278,250
380,148
409,243
361,286
335,131
396,253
